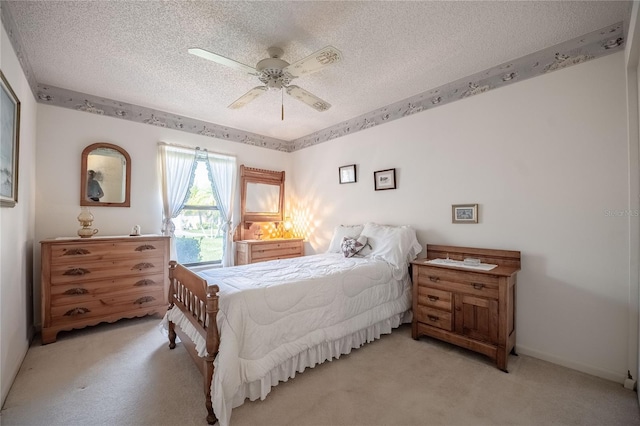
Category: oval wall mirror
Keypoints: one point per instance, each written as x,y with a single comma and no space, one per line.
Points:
105,177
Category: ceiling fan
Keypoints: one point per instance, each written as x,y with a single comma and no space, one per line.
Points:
276,74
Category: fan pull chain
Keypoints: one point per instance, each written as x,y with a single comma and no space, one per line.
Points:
282,93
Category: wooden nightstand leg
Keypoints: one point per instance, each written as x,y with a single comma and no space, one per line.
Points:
501,359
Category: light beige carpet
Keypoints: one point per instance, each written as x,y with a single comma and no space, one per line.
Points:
125,374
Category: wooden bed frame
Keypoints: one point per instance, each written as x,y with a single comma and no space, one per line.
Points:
199,303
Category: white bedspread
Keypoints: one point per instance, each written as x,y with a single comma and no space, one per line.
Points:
282,316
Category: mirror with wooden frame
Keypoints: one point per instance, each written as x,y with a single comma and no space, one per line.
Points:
105,177
261,195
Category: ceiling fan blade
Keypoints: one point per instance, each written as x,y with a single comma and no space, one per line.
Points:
248,97
308,98
314,62
222,60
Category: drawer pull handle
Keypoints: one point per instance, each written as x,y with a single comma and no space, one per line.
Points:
143,265
144,282
433,298
477,286
145,247
433,318
77,290
76,271
144,299
75,252
76,311
433,278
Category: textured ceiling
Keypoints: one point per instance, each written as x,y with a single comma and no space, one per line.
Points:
136,51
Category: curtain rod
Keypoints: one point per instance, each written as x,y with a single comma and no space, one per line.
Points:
196,148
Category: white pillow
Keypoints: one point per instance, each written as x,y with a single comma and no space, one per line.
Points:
397,245
341,231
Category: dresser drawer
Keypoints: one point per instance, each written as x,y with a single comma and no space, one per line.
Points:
483,285
275,248
434,298
64,294
434,317
94,251
252,251
270,253
106,305
100,270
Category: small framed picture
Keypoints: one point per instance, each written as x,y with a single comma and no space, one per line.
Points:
347,174
384,179
464,213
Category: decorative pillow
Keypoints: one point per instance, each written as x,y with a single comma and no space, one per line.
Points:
397,245
341,231
351,246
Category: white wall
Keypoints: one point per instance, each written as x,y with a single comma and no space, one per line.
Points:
64,133
546,159
16,236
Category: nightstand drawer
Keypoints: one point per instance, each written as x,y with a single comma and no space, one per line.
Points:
434,298
449,280
434,317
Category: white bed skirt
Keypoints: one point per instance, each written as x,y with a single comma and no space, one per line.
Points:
326,351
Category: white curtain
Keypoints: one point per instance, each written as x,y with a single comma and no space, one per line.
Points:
177,167
222,173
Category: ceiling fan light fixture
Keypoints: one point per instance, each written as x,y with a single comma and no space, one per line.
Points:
277,74
274,84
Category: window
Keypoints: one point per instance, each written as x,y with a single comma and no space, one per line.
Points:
198,226
198,190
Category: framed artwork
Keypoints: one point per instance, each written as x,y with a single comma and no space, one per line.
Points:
9,143
384,179
464,213
348,174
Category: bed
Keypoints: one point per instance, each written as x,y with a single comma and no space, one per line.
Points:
250,327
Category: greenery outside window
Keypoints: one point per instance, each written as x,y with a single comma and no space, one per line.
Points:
199,235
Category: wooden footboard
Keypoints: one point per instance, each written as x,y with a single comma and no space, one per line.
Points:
199,303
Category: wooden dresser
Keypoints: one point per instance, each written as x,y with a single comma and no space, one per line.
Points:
470,308
252,251
101,279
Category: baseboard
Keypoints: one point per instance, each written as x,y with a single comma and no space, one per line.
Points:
594,371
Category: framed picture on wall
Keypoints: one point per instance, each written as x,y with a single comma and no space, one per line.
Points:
347,174
9,143
464,213
384,179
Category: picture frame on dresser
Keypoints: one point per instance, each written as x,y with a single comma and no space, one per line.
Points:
10,143
464,213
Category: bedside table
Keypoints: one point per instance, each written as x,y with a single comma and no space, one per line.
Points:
474,309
